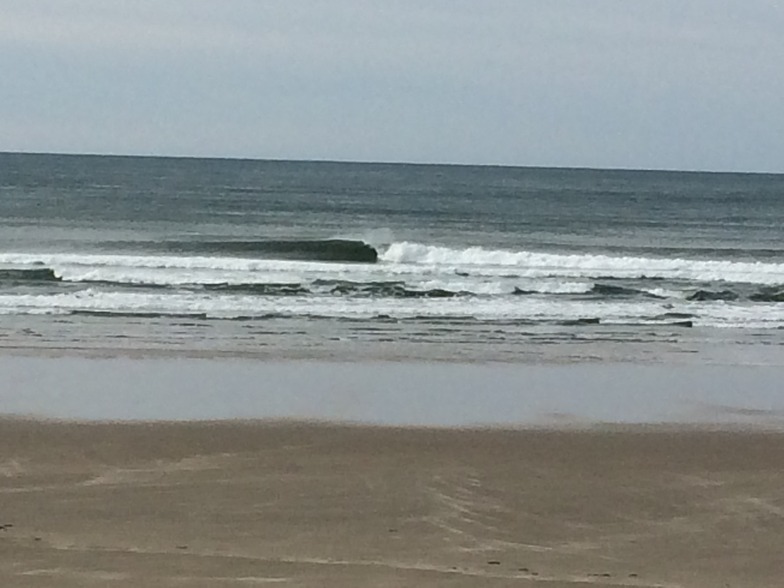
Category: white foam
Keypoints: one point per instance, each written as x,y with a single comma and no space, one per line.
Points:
491,274
763,316
400,260
55,260
667,293
536,264
551,286
177,271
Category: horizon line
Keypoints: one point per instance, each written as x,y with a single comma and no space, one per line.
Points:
398,162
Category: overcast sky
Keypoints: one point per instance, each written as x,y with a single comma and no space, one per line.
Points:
675,84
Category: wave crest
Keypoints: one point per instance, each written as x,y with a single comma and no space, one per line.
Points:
43,274
337,250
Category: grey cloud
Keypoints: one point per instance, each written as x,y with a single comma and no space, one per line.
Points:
568,82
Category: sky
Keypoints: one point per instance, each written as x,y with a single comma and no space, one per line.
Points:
641,84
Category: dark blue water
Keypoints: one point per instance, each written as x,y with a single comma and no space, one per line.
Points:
386,260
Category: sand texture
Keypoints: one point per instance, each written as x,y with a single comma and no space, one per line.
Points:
245,504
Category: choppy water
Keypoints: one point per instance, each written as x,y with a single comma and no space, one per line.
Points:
376,260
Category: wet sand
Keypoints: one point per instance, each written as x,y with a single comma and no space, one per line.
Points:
390,393
236,503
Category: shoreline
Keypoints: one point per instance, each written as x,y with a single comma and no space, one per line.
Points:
718,348
724,356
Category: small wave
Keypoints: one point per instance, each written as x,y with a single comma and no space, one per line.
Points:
552,288
43,274
619,291
140,314
336,250
389,289
676,315
768,295
653,321
255,317
637,277
125,285
657,322
709,295
260,289
580,322
457,319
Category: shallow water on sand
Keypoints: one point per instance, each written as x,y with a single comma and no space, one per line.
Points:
391,393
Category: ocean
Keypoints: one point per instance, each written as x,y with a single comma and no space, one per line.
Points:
325,260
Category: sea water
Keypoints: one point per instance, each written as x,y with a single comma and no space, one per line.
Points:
284,259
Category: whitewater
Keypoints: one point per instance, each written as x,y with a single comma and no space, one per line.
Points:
403,258
485,284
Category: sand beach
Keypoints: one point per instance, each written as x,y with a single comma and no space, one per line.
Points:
250,503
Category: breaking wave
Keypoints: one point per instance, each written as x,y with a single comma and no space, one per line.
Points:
539,264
